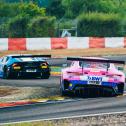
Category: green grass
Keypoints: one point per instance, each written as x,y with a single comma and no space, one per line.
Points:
42,123
32,124
55,69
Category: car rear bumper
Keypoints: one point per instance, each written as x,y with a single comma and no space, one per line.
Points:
32,73
93,91
83,88
78,83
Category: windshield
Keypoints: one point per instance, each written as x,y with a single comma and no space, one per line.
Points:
96,65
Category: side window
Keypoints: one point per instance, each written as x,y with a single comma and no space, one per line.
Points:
2,59
5,59
80,63
72,64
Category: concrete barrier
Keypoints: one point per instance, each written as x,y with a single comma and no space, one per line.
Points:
61,43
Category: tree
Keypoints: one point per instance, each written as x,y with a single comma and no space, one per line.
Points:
32,10
17,27
42,27
100,24
17,16
56,9
76,7
72,7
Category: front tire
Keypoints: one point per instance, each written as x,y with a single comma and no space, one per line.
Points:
6,73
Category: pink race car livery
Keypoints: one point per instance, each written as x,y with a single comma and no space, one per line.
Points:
94,75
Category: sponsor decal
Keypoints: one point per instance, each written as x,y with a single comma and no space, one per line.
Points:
94,78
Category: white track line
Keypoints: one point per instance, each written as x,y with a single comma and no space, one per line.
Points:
66,117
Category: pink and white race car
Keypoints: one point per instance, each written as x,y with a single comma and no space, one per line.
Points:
93,75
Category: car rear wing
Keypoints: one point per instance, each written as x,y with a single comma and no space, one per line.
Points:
117,62
96,60
25,56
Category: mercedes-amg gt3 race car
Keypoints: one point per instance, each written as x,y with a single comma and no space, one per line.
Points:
15,66
91,75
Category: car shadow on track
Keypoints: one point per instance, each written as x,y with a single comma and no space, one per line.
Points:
27,78
90,96
31,78
94,94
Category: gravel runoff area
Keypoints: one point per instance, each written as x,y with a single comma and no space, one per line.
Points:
99,120
10,94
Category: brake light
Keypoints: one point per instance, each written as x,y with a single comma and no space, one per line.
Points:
74,73
85,72
115,76
43,65
16,66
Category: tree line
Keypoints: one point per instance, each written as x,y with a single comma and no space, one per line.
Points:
90,17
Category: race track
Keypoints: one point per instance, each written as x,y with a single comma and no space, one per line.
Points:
69,108
66,108
51,82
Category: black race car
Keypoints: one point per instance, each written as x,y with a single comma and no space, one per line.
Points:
15,66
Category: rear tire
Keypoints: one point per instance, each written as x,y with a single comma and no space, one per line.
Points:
45,75
120,89
63,93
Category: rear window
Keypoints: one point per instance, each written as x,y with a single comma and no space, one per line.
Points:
93,65
27,59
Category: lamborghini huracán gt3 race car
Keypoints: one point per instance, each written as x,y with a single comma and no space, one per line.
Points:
15,66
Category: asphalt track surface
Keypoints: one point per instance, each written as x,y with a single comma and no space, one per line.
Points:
56,109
